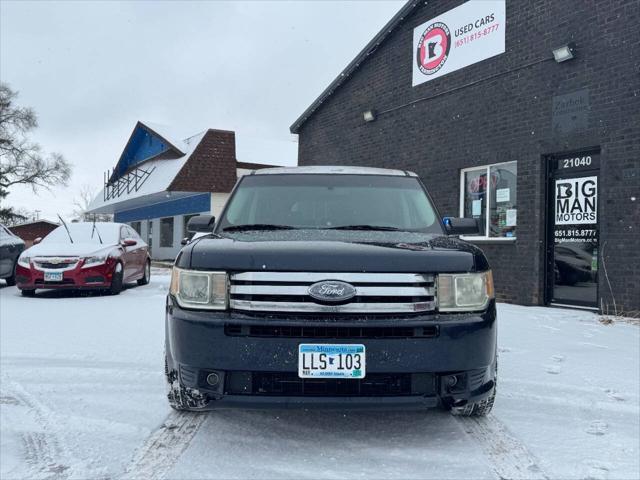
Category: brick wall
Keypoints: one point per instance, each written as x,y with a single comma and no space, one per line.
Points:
31,231
504,119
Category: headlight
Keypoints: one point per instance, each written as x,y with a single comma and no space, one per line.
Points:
196,289
95,261
24,261
464,292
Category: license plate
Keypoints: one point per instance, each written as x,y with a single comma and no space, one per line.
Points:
52,276
331,360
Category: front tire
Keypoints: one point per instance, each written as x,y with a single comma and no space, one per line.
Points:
483,407
476,409
147,274
117,279
182,398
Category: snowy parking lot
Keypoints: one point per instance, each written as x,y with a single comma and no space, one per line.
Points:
82,396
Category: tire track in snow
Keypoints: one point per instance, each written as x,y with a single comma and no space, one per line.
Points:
44,452
507,456
164,446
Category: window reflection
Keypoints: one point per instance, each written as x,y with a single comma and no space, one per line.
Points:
491,190
503,216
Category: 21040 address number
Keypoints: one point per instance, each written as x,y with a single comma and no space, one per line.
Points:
576,162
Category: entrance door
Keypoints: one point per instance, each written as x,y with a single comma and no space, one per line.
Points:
572,242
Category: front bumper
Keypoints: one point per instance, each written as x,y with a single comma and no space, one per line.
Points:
97,277
256,358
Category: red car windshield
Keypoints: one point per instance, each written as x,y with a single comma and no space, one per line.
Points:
85,233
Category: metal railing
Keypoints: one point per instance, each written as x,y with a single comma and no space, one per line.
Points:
130,182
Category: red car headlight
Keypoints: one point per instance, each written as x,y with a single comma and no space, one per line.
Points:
95,260
24,261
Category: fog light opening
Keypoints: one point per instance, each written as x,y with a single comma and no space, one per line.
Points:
452,380
213,379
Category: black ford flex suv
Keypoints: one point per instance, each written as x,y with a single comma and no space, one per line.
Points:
331,287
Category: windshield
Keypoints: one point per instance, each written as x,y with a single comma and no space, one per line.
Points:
314,201
83,233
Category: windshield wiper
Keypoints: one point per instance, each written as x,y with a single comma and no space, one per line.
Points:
365,227
95,229
65,227
256,226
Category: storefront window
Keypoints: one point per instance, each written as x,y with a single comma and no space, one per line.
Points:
475,197
166,232
502,207
490,195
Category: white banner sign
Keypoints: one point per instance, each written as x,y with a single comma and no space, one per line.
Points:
472,32
576,201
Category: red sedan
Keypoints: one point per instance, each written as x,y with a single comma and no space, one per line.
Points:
85,256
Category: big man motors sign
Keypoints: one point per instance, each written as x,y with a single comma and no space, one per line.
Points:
472,32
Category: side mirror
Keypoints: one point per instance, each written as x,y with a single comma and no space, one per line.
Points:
37,240
201,223
129,242
461,226
184,241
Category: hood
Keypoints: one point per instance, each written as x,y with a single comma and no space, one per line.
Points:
332,251
66,249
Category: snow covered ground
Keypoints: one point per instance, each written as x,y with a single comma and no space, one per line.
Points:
82,396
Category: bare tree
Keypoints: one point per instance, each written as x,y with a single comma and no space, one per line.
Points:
81,207
22,161
14,216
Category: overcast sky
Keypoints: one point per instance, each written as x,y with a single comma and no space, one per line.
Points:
92,69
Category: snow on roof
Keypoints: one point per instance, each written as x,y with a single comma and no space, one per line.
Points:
267,151
32,222
253,152
335,170
163,173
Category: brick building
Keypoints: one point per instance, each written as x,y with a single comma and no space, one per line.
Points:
161,180
524,116
29,231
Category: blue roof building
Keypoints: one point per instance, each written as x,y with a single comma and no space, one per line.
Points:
161,180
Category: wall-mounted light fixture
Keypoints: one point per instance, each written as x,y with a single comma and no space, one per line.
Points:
369,115
565,52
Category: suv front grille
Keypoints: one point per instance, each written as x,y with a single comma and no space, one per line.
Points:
289,384
375,292
284,331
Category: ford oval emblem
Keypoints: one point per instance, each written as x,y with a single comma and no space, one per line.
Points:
332,291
